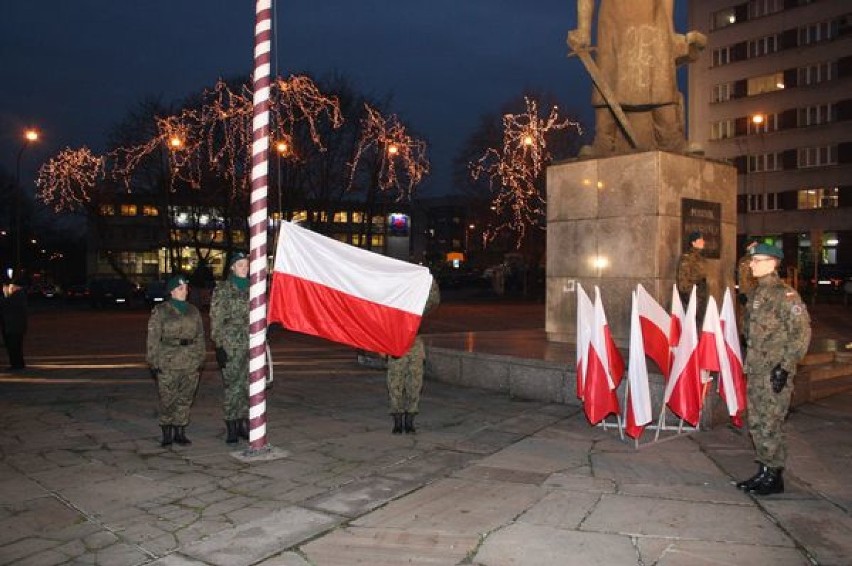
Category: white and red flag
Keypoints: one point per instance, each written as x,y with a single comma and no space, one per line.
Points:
638,392
655,328
732,383
336,291
677,316
585,319
683,393
605,369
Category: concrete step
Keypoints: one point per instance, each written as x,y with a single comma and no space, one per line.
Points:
828,371
821,389
817,358
814,382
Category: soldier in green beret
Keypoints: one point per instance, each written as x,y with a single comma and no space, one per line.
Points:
175,354
778,332
229,328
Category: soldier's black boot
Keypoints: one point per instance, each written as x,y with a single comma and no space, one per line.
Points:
232,432
397,423
772,482
243,428
180,436
409,423
751,483
167,435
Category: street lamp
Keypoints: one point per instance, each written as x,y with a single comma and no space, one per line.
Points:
30,136
282,150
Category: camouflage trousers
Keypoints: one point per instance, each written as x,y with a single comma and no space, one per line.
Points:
235,381
177,392
405,379
766,413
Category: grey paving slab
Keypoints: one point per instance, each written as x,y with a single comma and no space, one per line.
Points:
668,552
252,542
561,509
538,455
820,527
643,516
390,547
360,497
455,506
522,544
286,559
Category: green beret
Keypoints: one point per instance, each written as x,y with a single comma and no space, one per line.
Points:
695,236
767,249
176,281
237,257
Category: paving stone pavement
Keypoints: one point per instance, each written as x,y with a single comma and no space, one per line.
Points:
486,481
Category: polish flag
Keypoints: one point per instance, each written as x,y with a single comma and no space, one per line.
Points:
605,369
732,383
638,392
677,316
683,389
336,291
709,347
585,319
656,325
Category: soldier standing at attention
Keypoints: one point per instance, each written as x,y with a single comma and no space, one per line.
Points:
692,270
778,332
229,328
405,376
175,355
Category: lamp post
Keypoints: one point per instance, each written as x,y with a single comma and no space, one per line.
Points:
30,136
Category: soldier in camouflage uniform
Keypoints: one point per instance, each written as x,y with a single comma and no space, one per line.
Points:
778,332
229,328
745,283
405,376
175,354
692,270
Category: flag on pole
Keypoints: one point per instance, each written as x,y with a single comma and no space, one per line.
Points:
336,291
638,392
683,389
709,353
605,369
655,325
676,325
585,319
732,383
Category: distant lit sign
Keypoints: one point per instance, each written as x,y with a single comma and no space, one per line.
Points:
398,224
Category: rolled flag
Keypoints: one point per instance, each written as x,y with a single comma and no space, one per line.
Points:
585,319
710,344
605,369
732,383
638,392
683,389
336,291
655,325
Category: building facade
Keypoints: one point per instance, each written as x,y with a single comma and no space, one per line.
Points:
772,94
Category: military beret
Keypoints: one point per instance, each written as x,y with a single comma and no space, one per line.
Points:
752,241
767,249
176,281
694,236
237,257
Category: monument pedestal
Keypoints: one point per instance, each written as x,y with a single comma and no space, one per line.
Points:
618,221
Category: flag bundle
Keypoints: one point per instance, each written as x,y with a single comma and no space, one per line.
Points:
604,366
336,291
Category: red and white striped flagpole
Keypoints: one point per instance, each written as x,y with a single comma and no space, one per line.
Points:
257,223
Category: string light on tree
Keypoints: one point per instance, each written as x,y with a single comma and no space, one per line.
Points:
515,170
65,181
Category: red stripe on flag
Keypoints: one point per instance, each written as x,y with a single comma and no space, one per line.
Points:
656,345
686,398
599,400
319,310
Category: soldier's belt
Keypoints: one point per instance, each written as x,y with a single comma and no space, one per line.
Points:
178,342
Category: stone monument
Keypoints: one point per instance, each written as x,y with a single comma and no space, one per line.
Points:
620,214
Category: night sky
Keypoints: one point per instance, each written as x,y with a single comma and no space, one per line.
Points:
73,68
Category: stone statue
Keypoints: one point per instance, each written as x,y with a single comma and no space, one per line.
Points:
636,99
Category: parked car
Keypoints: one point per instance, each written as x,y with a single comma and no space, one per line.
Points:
111,293
75,293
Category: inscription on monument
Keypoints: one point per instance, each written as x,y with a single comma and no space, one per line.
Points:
705,217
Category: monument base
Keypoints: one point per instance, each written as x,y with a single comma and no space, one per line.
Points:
618,221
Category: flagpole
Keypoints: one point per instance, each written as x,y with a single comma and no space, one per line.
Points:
257,223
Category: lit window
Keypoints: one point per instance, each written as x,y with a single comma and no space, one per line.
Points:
148,210
107,210
765,83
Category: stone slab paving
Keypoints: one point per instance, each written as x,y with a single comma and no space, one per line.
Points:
389,547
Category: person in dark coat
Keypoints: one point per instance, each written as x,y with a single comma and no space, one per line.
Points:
13,316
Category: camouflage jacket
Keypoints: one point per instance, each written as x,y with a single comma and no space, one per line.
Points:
745,280
229,316
432,301
692,270
175,339
777,327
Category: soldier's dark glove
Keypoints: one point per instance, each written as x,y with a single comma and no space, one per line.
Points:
154,373
742,298
221,357
778,378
